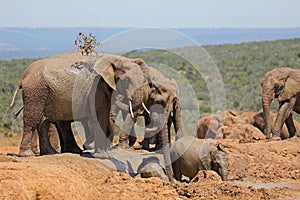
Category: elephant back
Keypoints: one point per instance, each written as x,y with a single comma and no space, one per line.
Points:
69,75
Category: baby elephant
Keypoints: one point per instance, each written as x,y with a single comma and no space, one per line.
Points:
190,155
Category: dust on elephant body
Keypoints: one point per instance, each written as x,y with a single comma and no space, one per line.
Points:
161,97
284,85
190,155
229,125
259,122
68,87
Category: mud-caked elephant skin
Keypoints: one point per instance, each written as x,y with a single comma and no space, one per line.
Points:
259,122
209,124
70,86
161,109
243,132
54,140
190,155
284,85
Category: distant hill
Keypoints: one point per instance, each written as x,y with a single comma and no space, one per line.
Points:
16,43
241,66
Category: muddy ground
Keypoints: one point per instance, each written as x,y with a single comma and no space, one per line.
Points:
258,170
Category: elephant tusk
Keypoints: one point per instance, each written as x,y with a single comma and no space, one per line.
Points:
146,109
130,109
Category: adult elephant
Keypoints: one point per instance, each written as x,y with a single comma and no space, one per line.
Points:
70,86
283,84
161,97
259,122
159,94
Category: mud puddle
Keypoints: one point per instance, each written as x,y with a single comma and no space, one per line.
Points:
270,185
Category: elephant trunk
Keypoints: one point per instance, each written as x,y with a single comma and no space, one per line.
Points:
166,151
220,163
267,97
177,119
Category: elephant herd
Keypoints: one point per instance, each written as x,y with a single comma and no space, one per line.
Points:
244,126
282,84
94,88
74,87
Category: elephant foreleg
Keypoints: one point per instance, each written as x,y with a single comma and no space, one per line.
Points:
70,145
89,137
102,134
166,153
126,131
284,112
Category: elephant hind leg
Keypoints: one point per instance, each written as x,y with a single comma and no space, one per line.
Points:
45,146
284,112
290,125
26,142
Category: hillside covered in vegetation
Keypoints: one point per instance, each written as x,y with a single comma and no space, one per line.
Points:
241,67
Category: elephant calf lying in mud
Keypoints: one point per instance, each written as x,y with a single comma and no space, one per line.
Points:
227,125
190,155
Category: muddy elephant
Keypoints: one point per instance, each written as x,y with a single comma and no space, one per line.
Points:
259,122
164,105
241,131
57,136
159,94
249,116
190,155
53,136
68,87
161,109
284,85
209,124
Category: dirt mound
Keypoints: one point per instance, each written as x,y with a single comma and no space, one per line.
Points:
258,170
67,176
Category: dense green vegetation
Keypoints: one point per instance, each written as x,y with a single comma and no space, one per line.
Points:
241,66
10,73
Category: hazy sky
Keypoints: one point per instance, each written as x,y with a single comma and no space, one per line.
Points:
150,13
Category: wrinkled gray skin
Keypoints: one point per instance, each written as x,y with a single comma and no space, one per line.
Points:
161,97
190,155
283,84
53,136
120,102
69,87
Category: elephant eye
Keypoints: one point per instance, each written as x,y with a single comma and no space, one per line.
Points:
127,80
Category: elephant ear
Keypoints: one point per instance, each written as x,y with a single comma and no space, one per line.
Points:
105,66
290,89
204,154
143,65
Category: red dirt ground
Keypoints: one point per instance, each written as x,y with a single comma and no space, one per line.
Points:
258,170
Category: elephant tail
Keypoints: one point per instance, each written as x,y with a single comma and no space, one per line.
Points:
17,87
